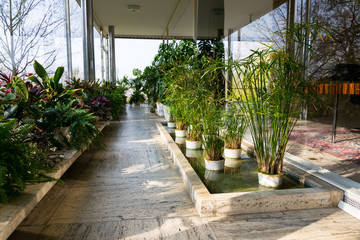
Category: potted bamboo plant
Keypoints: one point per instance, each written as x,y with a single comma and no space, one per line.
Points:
213,142
196,95
176,95
271,89
269,95
235,126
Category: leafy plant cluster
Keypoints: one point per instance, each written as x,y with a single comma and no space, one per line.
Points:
40,114
270,88
20,163
155,79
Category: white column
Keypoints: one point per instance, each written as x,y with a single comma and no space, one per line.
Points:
68,39
88,40
112,54
102,53
107,59
196,19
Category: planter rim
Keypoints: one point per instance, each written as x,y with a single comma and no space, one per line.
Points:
235,149
270,174
222,159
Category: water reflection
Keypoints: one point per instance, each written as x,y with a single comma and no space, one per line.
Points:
213,176
180,140
193,153
171,130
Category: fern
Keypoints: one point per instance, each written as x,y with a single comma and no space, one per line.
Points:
20,163
81,123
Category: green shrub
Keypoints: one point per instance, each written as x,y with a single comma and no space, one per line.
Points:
81,122
20,163
117,100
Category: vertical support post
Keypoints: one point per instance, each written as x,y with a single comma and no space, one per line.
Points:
68,39
102,53
196,20
228,81
306,62
88,40
167,36
335,117
107,60
291,17
112,54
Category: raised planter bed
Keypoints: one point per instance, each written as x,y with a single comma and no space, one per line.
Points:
319,195
13,213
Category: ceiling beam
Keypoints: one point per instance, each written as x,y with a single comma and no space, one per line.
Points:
166,30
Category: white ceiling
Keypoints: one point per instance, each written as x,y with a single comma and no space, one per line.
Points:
151,21
155,15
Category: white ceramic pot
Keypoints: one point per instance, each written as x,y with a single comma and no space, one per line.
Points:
193,144
171,130
232,153
267,180
180,140
171,124
214,165
180,133
166,110
213,176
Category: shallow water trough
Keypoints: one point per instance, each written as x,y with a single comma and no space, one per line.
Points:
316,194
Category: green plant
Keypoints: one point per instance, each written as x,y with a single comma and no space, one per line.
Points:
235,126
271,90
52,89
212,123
80,122
20,162
176,95
194,95
115,93
117,100
137,84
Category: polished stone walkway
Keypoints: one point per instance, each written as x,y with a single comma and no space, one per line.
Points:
131,190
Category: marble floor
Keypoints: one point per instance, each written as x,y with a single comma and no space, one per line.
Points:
131,190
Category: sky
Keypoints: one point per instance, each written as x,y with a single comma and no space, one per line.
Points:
134,53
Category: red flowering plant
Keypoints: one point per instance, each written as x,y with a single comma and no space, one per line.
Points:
100,106
13,90
90,89
53,90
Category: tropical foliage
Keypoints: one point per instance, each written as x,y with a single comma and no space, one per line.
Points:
40,114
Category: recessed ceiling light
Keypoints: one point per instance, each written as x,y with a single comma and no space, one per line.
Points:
133,8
